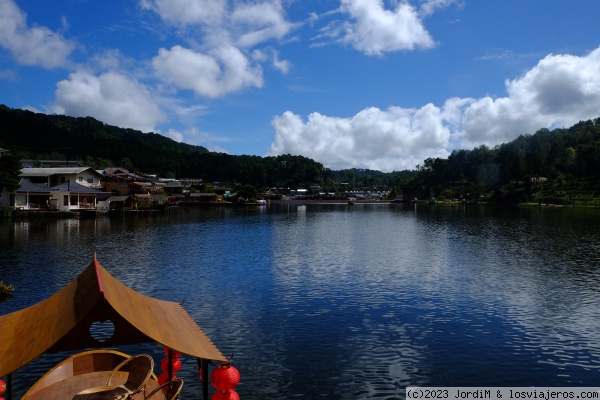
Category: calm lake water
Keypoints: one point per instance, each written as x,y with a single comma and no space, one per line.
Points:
329,301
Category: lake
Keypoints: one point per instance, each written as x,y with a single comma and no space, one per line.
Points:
330,301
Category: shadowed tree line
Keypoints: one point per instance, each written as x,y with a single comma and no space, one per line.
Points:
557,166
36,136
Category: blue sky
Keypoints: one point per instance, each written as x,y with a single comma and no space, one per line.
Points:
349,83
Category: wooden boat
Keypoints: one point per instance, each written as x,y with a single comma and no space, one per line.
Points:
64,321
79,372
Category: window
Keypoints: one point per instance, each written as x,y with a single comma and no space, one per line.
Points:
90,180
80,179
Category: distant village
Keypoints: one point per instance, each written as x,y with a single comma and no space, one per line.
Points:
51,185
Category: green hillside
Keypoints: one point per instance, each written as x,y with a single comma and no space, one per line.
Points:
36,136
560,166
39,136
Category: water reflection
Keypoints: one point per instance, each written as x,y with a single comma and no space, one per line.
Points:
346,302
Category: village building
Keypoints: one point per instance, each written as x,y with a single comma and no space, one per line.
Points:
67,196
49,177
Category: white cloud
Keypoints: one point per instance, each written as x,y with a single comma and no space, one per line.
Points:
175,135
112,98
36,45
260,22
223,71
385,140
188,12
375,30
195,137
244,24
428,7
282,66
560,90
224,61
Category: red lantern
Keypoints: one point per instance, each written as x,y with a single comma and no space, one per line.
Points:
2,387
176,354
225,395
200,374
225,377
162,378
175,365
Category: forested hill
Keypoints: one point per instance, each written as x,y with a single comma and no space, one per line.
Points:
560,165
30,135
39,136
555,166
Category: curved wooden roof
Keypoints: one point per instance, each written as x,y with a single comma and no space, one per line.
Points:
63,321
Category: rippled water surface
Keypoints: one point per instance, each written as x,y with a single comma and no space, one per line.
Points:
328,301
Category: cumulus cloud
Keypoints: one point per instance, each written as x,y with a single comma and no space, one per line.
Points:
560,90
243,24
37,45
223,71
112,97
395,138
226,62
375,30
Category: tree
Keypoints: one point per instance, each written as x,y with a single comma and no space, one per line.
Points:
245,193
10,169
126,163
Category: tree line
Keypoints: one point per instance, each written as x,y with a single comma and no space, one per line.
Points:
556,163
36,136
547,163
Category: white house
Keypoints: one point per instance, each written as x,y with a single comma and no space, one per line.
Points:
30,196
72,196
65,197
50,177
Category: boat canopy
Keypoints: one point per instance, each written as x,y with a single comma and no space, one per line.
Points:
62,322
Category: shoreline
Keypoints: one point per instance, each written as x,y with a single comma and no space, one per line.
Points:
82,214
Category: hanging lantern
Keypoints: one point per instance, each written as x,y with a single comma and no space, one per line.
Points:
200,374
175,365
2,387
225,377
164,365
225,395
176,354
164,377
